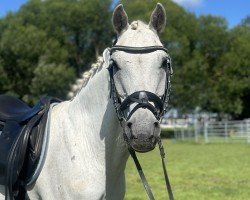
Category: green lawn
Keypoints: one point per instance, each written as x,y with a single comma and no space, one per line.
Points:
196,171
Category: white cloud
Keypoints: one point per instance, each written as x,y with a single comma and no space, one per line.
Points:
189,3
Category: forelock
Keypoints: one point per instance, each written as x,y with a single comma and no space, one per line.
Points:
137,25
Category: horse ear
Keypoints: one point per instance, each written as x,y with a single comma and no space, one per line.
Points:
158,18
120,19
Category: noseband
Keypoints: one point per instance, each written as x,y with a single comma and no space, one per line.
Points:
144,99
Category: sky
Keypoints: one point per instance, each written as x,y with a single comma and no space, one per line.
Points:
233,10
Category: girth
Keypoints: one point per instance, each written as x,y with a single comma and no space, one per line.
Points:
21,140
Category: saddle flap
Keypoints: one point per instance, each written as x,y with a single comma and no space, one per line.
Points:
8,140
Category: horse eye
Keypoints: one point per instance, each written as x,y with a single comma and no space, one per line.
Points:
165,64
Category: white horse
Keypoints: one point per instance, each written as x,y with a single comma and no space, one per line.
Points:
87,155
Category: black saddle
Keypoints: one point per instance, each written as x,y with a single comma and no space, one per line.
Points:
14,109
22,131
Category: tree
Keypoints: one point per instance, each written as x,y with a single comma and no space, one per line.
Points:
56,82
21,50
4,82
233,74
192,83
212,38
83,27
61,36
246,21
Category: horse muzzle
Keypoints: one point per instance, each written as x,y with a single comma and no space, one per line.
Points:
142,131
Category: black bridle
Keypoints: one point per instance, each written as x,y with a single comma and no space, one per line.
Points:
144,99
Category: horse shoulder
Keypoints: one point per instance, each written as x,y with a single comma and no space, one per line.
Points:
67,174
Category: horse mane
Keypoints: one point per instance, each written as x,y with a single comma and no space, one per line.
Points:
85,77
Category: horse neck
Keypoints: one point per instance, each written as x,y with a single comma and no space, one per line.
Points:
91,103
92,110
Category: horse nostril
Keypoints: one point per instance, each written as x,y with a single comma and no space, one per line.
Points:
157,124
133,136
129,124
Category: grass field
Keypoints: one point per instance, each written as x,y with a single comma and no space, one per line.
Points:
196,171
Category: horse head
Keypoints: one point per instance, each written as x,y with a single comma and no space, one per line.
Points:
139,72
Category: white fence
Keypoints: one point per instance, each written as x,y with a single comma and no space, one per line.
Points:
211,132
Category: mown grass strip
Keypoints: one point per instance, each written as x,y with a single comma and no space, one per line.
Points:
197,171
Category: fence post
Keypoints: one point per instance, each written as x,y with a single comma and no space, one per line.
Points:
242,129
175,132
196,131
226,130
248,131
206,132
182,134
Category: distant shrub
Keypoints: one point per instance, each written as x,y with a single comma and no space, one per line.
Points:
167,133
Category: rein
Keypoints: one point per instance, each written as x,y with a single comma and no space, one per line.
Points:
143,99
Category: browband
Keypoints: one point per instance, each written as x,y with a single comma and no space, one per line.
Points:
147,49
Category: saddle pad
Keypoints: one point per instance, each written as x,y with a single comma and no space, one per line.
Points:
31,180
